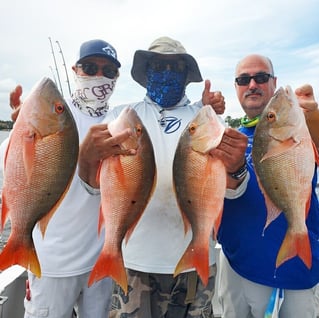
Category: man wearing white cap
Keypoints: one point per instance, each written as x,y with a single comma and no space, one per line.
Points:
158,241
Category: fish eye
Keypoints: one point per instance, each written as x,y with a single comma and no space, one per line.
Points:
192,128
271,116
59,107
138,129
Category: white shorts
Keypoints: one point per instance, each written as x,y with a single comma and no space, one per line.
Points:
241,298
56,297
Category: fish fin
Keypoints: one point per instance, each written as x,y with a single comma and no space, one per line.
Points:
217,224
295,245
187,224
98,173
279,148
44,221
195,257
101,221
315,152
131,229
4,212
112,266
25,256
28,150
308,203
272,210
6,153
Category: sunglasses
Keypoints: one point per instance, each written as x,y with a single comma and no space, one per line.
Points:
259,78
92,69
163,65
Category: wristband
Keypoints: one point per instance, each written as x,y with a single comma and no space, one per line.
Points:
240,173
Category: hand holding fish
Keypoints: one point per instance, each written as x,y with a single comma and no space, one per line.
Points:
15,102
306,98
231,151
97,145
214,99
307,102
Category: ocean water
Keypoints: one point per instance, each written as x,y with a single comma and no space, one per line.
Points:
6,231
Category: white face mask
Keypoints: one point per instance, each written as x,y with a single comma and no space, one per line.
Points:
92,94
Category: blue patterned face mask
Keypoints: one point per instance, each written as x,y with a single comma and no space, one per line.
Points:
165,87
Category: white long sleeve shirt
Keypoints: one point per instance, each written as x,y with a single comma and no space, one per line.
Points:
158,241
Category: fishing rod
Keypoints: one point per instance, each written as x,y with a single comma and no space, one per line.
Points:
64,65
56,68
53,75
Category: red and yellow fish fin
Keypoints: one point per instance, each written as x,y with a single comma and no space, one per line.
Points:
195,257
28,151
112,266
281,147
44,221
295,245
25,256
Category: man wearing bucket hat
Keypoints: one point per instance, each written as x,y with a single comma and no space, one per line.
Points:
158,241
166,61
71,245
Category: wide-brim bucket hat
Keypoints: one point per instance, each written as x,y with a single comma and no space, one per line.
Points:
167,46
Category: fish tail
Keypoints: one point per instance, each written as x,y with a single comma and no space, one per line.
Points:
112,266
295,245
194,257
17,254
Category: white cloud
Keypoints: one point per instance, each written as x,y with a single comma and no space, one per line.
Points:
216,33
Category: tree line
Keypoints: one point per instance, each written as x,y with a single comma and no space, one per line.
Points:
232,122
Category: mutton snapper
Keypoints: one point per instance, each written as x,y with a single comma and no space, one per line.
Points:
200,185
126,183
284,161
39,164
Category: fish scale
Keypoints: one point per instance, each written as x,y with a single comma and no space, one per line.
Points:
40,162
126,184
284,160
200,186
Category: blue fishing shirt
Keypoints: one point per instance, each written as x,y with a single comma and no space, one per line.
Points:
251,250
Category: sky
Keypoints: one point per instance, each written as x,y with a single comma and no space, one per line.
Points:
216,33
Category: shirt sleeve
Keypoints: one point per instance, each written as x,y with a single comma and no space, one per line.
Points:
236,193
89,189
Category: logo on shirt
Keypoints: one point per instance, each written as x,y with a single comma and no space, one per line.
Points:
170,124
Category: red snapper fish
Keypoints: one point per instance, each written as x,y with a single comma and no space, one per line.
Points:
40,161
200,185
126,183
284,160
